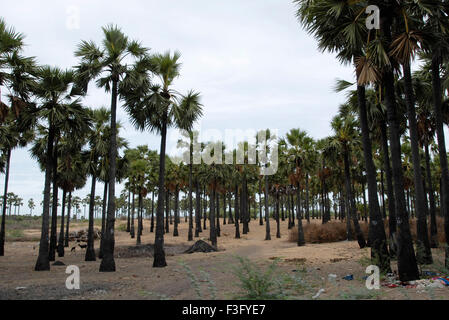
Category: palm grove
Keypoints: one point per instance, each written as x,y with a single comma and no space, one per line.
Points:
387,147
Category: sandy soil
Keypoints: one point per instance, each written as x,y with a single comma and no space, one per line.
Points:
136,279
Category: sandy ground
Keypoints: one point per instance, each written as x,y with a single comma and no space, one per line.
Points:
136,279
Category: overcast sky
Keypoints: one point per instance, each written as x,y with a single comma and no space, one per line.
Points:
250,59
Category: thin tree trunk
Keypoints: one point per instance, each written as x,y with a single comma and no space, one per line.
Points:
159,253
90,252
423,252
175,231
267,212
69,208
5,204
377,236
54,208
433,219
108,262
237,215
103,219
61,231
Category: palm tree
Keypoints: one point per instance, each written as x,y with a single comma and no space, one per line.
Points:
16,74
63,114
108,64
344,128
158,107
31,206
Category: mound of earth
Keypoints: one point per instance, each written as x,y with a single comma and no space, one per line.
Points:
201,246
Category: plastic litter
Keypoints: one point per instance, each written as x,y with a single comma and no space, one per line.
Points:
349,277
318,294
428,273
332,277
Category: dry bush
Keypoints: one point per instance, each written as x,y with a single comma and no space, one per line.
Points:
335,231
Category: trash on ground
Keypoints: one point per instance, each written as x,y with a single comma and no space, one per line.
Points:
318,294
349,277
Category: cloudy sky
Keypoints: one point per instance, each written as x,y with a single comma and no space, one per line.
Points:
253,64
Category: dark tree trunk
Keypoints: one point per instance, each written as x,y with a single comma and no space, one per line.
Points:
5,204
167,211
437,97
108,262
392,226
382,193
103,219
205,210
67,227
61,231
128,225
301,241
218,215
423,252
377,236
237,215
90,252
224,208
43,263
139,220
245,211
433,219
352,208
213,231
307,199
260,203
407,266
289,210
159,253
197,209
278,224
267,212
152,213
54,208
231,218
175,231
133,212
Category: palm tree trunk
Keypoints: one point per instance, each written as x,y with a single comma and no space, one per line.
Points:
352,208
267,213
133,212
433,219
437,97
237,215
152,213
54,209
307,199
167,211
301,241
43,263
128,224
231,217
190,233
175,229
224,208
103,219
67,227
197,209
213,232
159,253
392,226
423,252
217,195
5,204
108,262
61,231
407,266
90,251
139,220
377,236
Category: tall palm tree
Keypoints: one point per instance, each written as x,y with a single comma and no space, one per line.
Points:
156,108
109,65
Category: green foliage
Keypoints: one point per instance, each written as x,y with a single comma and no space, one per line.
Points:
195,282
257,284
